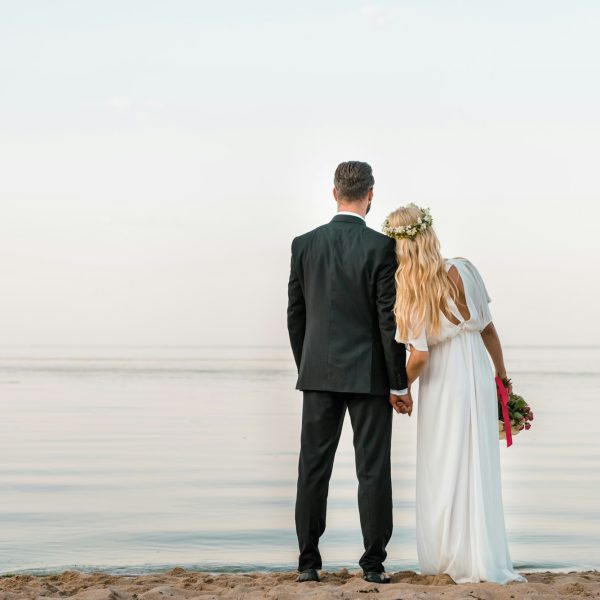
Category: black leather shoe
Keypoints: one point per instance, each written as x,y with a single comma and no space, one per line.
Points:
374,577
308,575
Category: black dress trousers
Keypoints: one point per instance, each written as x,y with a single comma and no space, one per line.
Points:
322,418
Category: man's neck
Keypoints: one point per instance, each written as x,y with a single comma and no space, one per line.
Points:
352,210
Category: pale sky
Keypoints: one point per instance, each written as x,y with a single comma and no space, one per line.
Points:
157,158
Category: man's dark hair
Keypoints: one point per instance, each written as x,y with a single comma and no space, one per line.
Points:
353,180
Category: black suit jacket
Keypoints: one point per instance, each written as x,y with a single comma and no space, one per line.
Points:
340,317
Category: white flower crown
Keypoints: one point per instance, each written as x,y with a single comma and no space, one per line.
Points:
411,230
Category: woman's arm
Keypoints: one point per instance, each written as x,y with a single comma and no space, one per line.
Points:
490,338
416,363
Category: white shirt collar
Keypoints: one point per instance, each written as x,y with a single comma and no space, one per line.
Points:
348,212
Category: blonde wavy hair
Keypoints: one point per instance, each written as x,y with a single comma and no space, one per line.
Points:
423,287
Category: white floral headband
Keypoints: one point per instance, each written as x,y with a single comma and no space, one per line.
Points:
411,230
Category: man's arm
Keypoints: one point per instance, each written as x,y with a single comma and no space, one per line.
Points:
395,353
296,312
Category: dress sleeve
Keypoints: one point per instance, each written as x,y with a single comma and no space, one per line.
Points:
479,296
418,343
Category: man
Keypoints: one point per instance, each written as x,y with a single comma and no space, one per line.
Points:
341,295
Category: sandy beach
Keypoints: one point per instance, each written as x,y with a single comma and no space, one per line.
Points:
181,583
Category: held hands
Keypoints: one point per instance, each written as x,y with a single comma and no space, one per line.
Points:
402,404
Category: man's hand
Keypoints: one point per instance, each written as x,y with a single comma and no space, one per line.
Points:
402,404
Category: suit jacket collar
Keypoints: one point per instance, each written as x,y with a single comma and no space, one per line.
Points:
356,220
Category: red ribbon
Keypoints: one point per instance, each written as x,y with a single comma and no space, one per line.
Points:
503,395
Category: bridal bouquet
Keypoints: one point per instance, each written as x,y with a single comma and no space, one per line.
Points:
514,409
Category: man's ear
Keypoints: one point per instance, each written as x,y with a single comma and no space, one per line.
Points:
370,195
335,194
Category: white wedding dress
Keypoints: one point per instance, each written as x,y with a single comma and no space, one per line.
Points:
459,512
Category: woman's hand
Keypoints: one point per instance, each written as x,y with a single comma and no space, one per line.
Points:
505,381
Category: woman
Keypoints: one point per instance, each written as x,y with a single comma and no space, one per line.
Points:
442,315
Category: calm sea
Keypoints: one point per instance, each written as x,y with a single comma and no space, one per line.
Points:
136,458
